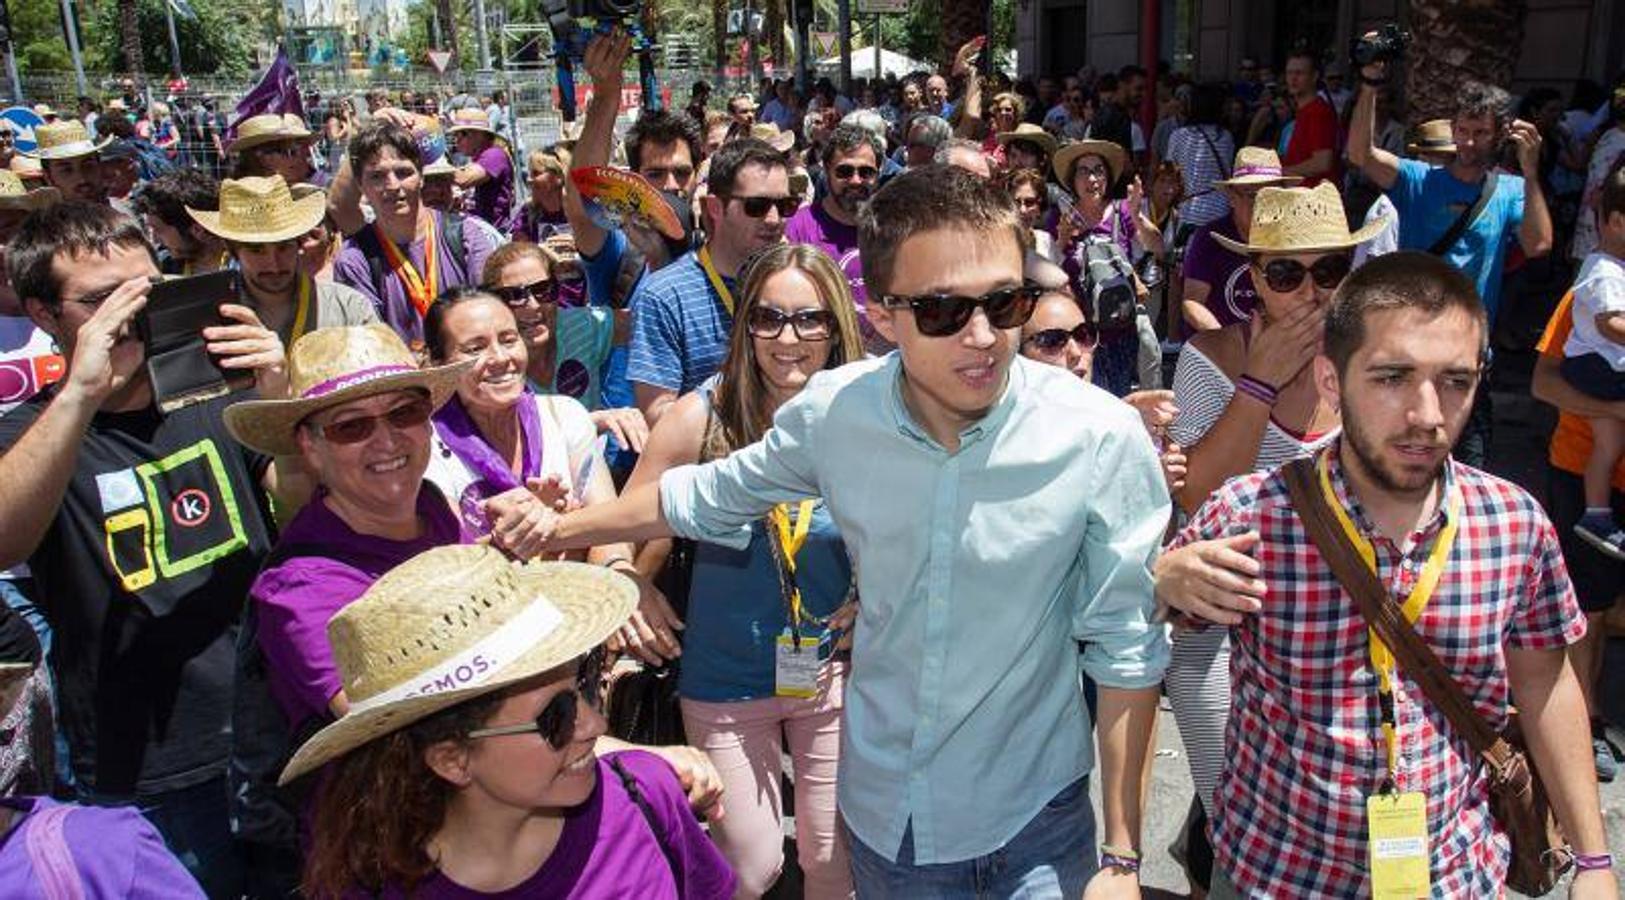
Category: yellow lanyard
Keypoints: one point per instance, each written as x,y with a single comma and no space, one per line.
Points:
716,280
792,536
1382,660
302,313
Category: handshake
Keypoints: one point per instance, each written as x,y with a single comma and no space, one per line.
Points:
522,521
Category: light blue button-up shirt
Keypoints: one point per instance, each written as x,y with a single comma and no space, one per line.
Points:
979,571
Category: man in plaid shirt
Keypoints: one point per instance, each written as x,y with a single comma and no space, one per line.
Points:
1305,743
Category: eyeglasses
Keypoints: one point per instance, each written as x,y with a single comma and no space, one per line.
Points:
1053,340
1028,202
768,323
556,723
1285,275
284,150
544,290
757,207
354,431
941,315
1093,172
845,171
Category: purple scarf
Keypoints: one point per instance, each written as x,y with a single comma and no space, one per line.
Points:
492,475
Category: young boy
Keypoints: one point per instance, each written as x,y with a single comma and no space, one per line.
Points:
1594,361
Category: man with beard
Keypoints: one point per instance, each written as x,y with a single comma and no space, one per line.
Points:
185,247
260,223
1322,722
71,161
1435,202
851,159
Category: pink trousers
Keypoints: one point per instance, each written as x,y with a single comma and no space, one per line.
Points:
745,740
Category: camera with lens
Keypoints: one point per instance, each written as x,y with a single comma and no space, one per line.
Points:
1386,44
575,23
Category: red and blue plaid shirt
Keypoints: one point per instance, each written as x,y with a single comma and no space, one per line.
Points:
1304,743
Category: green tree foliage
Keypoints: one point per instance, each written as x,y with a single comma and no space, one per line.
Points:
37,28
219,40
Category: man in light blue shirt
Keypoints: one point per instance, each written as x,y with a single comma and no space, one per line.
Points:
998,512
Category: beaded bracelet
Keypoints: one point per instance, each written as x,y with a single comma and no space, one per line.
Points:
1118,858
1263,392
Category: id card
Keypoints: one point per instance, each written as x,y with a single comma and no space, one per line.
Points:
795,668
1397,825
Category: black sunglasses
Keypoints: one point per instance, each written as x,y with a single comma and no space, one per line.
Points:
1285,275
941,315
845,171
768,323
544,290
354,431
1053,340
556,723
757,207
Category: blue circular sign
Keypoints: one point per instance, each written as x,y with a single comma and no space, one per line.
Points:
23,122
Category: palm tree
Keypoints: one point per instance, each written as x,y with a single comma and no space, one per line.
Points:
719,29
961,21
448,32
1454,41
129,26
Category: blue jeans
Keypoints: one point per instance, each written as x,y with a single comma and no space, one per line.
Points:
1053,856
196,828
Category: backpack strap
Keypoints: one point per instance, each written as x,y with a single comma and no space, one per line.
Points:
1468,216
454,239
636,793
54,868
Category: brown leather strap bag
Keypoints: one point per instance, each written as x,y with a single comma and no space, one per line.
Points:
1540,854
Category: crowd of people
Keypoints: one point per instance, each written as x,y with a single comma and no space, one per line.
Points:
906,447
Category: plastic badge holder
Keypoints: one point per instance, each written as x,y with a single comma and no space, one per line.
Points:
181,369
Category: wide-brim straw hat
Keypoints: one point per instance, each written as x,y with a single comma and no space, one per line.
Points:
439,167
1029,133
16,195
452,624
771,135
1289,221
1069,154
469,119
269,128
260,210
63,139
44,110
1433,136
1257,166
332,366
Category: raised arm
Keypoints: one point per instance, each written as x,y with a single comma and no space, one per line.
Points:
1535,234
970,119
605,57
1374,162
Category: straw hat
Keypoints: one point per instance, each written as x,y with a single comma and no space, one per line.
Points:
1433,136
470,119
332,366
1069,154
439,167
1300,220
63,139
770,134
259,210
452,624
1255,166
16,195
1031,134
45,111
269,128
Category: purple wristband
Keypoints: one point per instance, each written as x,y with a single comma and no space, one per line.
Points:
1258,390
1586,862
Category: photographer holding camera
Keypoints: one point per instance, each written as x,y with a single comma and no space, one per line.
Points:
1463,211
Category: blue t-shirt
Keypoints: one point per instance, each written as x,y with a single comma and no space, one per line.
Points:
679,327
1429,200
600,271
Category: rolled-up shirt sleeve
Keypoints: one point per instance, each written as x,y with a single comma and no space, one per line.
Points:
716,502
1123,645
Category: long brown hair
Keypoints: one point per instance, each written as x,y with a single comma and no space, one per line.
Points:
742,403
381,804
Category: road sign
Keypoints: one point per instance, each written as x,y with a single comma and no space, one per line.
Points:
825,43
439,59
23,122
882,7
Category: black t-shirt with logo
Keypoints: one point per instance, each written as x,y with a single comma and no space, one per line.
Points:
142,575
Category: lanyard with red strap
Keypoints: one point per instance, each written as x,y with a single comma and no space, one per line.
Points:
420,289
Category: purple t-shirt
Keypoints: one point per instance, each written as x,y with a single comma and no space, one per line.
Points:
607,849
531,223
114,850
493,197
388,294
1231,297
814,225
296,598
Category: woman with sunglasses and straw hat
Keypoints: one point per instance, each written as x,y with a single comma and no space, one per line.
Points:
465,764
748,609
1247,401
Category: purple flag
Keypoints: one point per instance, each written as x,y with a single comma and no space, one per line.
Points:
276,92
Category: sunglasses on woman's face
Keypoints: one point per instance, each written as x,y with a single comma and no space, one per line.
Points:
556,723
767,323
942,315
1285,275
358,429
544,290
757,207
1051,341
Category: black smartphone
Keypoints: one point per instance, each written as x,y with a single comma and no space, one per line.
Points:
181,369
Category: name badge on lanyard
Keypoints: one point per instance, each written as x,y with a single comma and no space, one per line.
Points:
1397,825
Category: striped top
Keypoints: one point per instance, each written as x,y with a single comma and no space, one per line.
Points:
1188,146
679,327
1202,391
